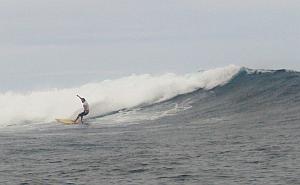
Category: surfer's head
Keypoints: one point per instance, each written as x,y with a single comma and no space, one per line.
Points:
82,100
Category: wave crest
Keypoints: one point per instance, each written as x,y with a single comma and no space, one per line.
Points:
107,95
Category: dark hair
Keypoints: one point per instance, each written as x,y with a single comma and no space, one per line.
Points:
82,99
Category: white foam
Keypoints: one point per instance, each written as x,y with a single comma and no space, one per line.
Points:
106,96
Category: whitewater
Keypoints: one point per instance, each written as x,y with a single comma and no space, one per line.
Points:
106,96
229,126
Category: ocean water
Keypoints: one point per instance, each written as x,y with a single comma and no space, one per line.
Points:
225,126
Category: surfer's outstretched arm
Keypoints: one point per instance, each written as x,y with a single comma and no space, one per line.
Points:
78,96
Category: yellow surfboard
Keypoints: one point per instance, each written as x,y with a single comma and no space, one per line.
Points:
66,121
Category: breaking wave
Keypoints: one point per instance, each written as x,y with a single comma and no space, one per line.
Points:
108,95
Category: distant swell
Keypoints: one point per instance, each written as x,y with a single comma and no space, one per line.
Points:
107,96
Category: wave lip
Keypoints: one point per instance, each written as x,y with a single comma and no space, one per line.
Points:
107,96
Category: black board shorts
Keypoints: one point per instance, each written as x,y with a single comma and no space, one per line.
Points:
84,113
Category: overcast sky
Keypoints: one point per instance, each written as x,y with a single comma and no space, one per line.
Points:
74,41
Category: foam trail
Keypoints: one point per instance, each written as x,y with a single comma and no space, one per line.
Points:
108,95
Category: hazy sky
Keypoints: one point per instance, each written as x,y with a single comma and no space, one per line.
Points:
74,41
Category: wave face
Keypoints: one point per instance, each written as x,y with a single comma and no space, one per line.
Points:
251,96
107,96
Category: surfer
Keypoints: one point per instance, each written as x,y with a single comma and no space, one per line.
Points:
85,111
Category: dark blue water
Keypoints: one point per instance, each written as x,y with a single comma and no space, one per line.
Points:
245,132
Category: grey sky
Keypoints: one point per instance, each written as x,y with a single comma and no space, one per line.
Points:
70,41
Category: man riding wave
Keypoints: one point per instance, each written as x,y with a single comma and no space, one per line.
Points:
86,109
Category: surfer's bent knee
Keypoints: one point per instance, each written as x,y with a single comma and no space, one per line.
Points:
84,113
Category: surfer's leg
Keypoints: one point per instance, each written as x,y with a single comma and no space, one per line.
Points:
81,119
83,114
79,115
76,118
